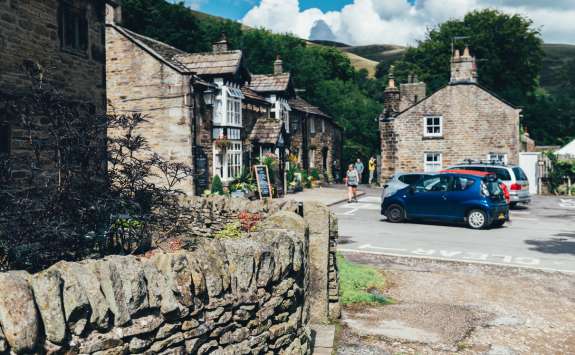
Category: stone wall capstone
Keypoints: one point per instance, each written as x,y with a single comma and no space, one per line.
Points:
244,296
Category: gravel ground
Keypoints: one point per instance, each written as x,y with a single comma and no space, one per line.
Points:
450,307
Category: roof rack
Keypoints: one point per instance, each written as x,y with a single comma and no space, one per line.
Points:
484,162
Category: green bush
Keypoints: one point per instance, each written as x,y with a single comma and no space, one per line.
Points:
356,281
315,174
217,186
231,231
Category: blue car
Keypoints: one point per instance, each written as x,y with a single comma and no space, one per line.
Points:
475,200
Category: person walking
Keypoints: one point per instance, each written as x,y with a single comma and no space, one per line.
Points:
351,180
371,166
359,168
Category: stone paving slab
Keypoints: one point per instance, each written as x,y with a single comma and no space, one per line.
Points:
323,338
329,196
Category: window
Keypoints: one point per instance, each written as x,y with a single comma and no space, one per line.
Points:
322,126
73,27
519,174
497,158
432,161
433,126
434,183
234,160
410,179
234,111
5,139
501,173
312,158
311,125
228,163
461,183
294,123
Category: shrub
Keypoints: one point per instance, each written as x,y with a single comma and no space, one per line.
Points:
315,174
217,186
230,231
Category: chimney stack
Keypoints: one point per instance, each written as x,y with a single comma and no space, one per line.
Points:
463,68
221,45
391,97
114,12
278,66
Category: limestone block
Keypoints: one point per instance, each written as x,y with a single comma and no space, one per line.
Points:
47,286
18,317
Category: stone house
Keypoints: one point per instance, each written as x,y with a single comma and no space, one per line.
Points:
316,140
460,121
56,45
148,77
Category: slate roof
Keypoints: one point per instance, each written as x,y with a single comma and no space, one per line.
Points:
266,131
270,83
212,63
253,96
160,50
301,105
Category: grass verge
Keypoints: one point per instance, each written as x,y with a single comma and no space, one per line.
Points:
360,283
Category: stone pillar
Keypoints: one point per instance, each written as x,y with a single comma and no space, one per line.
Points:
324,287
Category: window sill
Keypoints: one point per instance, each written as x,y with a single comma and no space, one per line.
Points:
432,137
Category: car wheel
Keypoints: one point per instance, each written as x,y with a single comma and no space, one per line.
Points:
395,214
477,219
512,204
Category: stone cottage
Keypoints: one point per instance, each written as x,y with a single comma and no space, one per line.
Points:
146,76
316,140
460,121
53,45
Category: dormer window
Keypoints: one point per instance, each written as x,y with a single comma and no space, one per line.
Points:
433,126
73,27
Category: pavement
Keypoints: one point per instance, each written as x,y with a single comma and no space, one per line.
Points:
539,236
330,195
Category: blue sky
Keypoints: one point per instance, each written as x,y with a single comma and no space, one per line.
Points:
236,9
403,22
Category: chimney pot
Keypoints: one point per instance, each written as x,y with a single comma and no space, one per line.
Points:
221,45
278,66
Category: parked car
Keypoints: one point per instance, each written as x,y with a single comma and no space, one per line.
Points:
483,173
475,200
513,176
399,181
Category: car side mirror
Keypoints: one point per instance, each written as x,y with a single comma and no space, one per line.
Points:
412,189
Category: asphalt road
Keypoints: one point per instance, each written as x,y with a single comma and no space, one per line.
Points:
541,235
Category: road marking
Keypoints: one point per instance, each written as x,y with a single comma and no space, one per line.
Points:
370,199
567,203
379,248
351,212
523,219
547,269
460,255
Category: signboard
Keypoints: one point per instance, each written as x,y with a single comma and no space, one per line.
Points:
202,170
263,181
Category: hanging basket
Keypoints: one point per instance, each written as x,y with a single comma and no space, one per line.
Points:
223,143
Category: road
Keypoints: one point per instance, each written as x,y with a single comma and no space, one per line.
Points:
540,236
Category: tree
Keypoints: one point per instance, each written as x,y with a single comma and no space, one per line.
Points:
508,49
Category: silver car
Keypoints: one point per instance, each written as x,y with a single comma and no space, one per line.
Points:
512,176
399,181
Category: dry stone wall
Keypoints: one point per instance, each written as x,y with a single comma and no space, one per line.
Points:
245,296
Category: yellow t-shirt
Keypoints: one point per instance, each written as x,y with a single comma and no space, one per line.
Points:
371,165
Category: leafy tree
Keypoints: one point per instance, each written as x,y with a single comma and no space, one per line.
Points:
508,49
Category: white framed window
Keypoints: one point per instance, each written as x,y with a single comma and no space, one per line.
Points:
228,163
312,158
432,161
311,125
433,126
234,111
497,157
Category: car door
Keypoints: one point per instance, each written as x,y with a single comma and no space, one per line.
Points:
428,198
458,196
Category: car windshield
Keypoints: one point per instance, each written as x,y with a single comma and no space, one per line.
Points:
409,179
519,174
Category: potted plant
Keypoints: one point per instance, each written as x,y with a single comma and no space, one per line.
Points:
222,143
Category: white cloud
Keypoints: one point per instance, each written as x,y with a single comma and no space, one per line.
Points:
398,22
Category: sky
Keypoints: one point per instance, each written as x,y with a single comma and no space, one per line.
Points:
402,22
